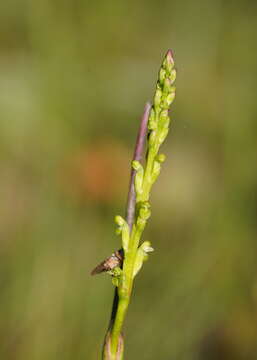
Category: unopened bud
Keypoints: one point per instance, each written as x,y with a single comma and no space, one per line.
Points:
142,255
119,220
144,211
164,119
169,61
157,98
152,124
168,100
173,75
162,75
139,176
161,158
152,138
167,86
163,135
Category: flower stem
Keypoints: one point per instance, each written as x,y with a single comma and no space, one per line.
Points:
119,306
156,120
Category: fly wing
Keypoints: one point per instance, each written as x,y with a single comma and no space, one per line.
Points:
100,268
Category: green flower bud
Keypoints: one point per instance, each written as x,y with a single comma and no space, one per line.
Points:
162,75
142,255
125,236
168,100
163,115
144,211
119,220
168,61
161,158
116,275
152,138
123,229
152,123
167,86
156,171
139,176
143,214
173,75
164,119
162,135
156,167
136,165
141,223
157,98
146,247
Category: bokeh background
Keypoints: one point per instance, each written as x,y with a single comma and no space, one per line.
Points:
74,78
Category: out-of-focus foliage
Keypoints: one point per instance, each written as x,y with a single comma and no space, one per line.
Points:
74,78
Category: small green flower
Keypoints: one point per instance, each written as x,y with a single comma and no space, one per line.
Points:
139,176
123,229
116,275
142,255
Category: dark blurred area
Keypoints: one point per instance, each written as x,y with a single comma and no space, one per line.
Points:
74,78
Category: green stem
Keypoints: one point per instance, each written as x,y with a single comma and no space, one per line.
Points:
124,291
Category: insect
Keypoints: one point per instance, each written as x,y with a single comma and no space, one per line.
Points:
110,263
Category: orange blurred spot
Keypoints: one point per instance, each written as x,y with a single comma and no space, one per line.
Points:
99,172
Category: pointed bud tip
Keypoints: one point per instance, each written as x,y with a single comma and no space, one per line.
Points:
168,62
170,55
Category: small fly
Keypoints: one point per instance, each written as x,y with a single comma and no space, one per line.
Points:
110,263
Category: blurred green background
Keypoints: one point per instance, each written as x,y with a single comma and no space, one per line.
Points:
74,78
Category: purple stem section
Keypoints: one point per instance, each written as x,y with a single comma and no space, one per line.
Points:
131,200
138,153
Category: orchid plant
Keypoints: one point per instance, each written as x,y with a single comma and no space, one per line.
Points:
123,265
